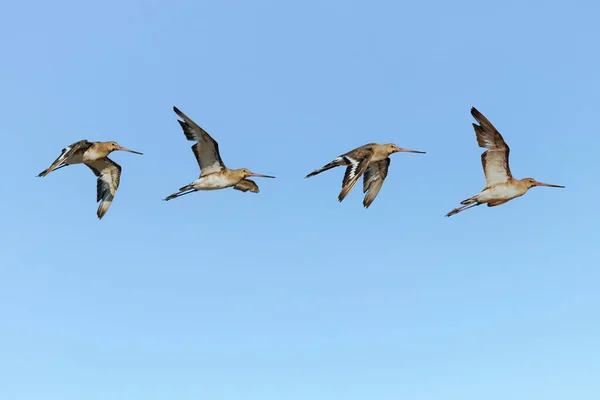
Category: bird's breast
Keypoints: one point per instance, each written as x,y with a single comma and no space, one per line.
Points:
500,192
92,154
213,182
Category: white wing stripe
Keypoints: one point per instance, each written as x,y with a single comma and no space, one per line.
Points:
353,167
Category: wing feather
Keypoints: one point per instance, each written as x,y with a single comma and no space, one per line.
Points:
109,177
373,180
206,149
495,158
357,162
66,153
247,185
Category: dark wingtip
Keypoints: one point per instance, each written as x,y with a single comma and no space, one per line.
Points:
475,113
178,112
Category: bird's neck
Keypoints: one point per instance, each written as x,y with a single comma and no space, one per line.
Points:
522,184
237,173
99,150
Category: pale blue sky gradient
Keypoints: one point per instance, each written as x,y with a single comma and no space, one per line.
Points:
289,294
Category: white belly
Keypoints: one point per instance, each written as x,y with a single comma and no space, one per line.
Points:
499,192
92,155
212,182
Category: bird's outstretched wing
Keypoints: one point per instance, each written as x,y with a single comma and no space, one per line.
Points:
206,149
495,159
246,184
373,180
109,177
65,154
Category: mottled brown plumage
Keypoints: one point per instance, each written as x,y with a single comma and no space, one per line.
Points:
95,156
214,174
247,185
372,160
495,159
500,185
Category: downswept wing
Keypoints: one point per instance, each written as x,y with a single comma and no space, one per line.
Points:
65,154
109,177
206,150
495,159
246,184
357,162
373,179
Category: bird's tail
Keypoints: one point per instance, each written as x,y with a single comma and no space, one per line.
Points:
183,190
335,163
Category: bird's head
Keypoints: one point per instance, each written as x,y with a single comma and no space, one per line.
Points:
392,148
530,182
246,173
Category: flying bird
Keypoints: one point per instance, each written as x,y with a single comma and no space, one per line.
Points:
95,156
214,174
500,186
372,160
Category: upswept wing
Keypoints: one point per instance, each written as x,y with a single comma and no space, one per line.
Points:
495,159
206,150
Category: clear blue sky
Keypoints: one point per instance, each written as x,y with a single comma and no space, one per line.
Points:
289,294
